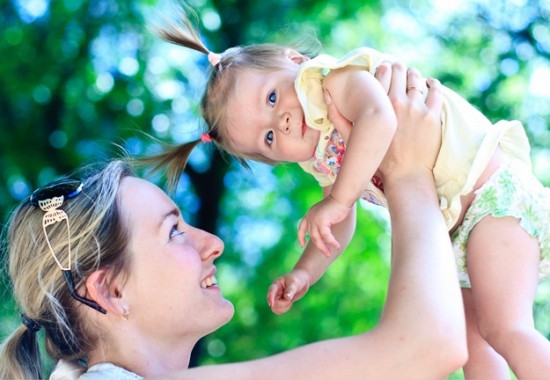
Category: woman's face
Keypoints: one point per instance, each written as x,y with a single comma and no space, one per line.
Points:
171,291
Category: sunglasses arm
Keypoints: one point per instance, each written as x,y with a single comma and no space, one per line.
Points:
70,283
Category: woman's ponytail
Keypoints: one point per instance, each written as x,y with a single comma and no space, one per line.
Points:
20,355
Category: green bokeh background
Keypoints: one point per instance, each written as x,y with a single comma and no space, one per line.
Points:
79,78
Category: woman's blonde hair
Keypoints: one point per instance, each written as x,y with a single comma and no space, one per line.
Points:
98,239
222,78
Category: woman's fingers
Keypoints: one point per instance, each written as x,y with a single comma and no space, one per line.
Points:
383,74
434,100
416,85
398,81
417,104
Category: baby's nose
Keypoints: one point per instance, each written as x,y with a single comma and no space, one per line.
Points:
284,123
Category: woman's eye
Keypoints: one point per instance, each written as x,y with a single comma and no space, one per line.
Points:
269,138
272,98
175,232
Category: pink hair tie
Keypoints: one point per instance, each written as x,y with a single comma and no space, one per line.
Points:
205,138
214,58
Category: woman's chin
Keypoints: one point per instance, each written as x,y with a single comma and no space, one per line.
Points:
229,310
223,315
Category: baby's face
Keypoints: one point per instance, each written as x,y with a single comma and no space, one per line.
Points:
266,118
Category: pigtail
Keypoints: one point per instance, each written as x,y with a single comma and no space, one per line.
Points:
179,30
172,159
20,356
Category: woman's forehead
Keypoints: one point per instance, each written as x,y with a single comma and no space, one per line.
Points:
141,200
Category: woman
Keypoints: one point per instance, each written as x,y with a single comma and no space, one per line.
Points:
138,288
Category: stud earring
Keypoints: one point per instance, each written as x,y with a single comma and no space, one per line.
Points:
125,313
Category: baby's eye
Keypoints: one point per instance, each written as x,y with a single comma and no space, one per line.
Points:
269,138
175,232
272,98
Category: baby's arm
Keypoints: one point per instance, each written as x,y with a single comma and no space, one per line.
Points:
362,100
310,267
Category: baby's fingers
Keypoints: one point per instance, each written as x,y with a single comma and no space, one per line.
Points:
281,306
274,293
302,229
328,238
291,291
319,243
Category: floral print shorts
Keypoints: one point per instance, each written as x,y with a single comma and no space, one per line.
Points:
512,191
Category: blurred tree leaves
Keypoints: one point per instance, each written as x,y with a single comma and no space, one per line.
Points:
78,76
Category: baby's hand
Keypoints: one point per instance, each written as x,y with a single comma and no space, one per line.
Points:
287,289
318,222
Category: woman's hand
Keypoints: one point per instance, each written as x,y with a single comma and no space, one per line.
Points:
417,103
416,143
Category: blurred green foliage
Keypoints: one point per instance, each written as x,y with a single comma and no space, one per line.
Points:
79,77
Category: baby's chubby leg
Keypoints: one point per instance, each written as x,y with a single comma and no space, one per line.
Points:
483,361
503,261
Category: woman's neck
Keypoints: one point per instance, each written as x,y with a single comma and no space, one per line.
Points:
144,357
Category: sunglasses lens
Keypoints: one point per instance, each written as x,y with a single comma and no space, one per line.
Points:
66,187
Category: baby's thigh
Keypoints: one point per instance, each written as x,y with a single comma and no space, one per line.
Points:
511,193
503,262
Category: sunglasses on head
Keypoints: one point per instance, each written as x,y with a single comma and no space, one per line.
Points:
49,199
66,188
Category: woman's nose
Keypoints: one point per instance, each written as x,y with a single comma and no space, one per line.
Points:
212,246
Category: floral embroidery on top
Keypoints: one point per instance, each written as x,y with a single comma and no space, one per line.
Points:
330,163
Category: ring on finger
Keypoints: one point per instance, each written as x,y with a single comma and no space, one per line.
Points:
415,88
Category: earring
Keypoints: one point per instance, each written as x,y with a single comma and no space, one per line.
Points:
125,313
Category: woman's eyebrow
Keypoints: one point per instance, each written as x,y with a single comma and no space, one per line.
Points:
172,212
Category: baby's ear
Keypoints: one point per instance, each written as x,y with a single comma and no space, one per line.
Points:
295,57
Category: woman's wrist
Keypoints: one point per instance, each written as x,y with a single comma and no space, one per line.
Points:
402,184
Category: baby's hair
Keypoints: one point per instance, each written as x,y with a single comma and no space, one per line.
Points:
222,76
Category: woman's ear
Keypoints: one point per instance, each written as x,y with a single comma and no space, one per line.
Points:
295,57
104,290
